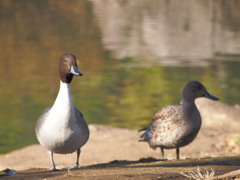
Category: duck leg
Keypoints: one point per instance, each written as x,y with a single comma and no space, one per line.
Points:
53,164
177,153
77,162
78,155
162,152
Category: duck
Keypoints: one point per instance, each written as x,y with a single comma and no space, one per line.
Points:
176,126
61,128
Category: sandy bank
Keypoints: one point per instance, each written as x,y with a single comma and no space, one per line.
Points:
219,136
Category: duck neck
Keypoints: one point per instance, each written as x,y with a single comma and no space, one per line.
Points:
188,106
192,115
64,99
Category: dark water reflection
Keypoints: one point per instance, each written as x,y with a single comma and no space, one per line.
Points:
136,57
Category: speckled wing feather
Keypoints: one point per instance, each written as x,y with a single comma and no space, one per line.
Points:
169,113
165,126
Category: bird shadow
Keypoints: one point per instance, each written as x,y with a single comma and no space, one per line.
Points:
153,162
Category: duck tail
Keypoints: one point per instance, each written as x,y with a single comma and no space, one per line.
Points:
143,129
144,136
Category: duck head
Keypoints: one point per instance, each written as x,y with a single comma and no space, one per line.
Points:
68,68
195,89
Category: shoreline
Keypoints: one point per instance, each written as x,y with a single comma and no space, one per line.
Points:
218,137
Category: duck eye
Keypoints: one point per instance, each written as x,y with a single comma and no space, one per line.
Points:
198,88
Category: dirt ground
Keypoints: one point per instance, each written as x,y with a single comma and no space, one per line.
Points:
218,137
148,168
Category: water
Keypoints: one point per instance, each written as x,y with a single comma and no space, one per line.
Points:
136,57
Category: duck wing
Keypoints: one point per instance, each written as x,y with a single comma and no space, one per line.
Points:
81,122
167,117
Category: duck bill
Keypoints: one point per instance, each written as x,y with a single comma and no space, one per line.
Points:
207,95
75,71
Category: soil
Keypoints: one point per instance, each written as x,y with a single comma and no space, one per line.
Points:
114,153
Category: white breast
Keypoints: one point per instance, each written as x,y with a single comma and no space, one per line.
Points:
60,131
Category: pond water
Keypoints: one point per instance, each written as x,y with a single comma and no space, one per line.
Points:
136,57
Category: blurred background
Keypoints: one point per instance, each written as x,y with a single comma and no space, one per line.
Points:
136,57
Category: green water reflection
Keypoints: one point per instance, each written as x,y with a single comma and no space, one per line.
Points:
124,97
120,92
